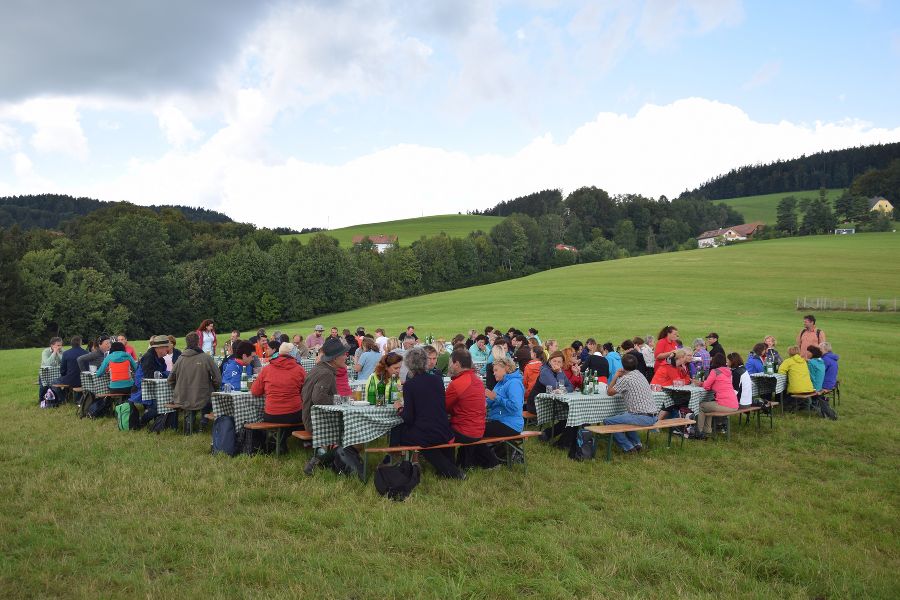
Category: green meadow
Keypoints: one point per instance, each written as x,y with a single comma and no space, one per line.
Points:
808,510
764,207
410,230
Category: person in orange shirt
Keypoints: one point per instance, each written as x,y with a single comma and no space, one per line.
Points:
532,369
673,369
262,348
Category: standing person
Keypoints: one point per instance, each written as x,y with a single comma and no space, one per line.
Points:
719,381
381,340
714,346
466,407
124,341
315,340
120,365
771,352
409,333
52,355
320,387
207,334
740,380
666,346
194,377
424,414
809,335
640,409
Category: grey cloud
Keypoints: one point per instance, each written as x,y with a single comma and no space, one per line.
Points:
126,48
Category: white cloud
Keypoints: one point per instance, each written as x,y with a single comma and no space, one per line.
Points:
56,122
659,150
22,165
9,139
177,128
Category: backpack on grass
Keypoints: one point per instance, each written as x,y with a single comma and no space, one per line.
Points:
223,438
347,462
166,421
583,447
397,481
127,417
98,408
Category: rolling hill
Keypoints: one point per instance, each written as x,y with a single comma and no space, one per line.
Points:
409,230
763,208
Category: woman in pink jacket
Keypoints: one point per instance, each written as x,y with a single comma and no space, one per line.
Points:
719,381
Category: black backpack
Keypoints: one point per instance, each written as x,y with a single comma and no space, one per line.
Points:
348,462
583,447
223,438
397,481
98,408
166,421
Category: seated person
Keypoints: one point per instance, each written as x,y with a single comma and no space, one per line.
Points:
368,359
755,359
571,367
719,381
794,367
120,365
281,382
533,368
151,362
498,350
771,352
816,366
673,369
714,346
699,348
595,362
551,375
431,367
612,357
829,382
194,377
68,368
480,350
95,357
740,380
384,378
443,357
52,356
240,362
465,402
424,414
504,409
263,352
640,409
628,348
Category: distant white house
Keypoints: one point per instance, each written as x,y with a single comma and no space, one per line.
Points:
845,231
880,204
735,233
381,242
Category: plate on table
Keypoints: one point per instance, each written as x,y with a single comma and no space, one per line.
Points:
359,403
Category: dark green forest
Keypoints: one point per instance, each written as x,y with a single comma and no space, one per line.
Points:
131,268
51,211
832,169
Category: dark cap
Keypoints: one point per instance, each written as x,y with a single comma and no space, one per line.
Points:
331,349
712,335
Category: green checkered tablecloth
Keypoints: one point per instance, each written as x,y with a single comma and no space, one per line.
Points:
347,425
160,392
98,386
48,375
307,364
243,406
578,409
768,384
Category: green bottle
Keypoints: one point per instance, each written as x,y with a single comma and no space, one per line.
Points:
371,392
380,397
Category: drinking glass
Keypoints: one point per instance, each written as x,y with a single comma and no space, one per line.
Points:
227,388
157,375
678,383
93,369
337,400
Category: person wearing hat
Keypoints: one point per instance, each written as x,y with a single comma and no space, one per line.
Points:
315,340
153,360
714,346
320,387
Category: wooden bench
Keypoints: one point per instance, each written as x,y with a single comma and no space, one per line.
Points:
508,441
748,410
609,430
88,398
530,418
276,429
804,398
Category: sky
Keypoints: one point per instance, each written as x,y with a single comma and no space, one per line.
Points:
331,113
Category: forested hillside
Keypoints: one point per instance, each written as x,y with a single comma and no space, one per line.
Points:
832,169
50,211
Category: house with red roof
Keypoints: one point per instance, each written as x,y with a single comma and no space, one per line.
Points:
381,242
735,233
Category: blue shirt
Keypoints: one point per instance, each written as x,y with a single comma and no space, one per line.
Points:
368,360
507,406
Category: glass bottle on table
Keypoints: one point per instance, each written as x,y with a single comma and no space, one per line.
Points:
243,380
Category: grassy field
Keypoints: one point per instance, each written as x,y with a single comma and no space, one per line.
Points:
763,208
809,510
409,230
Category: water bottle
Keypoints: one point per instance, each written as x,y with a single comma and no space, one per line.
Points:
243,381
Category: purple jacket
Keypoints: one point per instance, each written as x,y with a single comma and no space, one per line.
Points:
831,370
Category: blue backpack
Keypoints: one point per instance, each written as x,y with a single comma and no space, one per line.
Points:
583,447
223,438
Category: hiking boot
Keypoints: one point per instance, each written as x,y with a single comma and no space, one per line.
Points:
311,465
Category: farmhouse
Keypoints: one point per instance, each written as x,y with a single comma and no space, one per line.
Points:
736,233
880,204
566,248
381,242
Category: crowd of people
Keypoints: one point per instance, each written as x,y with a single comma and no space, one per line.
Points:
494,377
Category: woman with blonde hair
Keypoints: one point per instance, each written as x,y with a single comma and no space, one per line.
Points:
551,346
391,345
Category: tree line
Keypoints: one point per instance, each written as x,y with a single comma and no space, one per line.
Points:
130,268
832,169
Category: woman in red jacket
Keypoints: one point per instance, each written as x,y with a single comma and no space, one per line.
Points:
571,367
281,382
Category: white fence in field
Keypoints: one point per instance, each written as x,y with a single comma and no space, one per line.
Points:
859,304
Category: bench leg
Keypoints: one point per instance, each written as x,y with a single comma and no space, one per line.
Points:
728,429
669,440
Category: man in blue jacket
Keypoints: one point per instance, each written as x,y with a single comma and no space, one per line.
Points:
69,374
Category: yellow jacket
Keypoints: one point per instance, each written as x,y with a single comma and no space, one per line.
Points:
797,373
